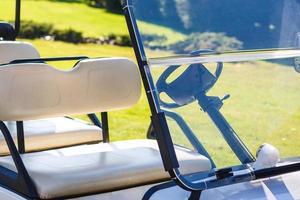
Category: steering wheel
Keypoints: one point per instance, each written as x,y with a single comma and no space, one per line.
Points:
184,89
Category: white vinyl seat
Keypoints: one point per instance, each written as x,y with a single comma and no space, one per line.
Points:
102,167
51,132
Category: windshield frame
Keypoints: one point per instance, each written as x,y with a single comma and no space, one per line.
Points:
160,125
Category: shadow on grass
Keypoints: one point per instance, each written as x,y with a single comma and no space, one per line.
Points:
115,9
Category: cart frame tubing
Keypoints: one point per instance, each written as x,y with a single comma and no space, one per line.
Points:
17,18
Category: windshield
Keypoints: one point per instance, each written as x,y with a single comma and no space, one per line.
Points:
225,71
183,26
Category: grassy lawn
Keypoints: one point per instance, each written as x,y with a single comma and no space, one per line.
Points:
79,16
91,21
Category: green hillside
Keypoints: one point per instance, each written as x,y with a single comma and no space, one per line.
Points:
93,22
79,16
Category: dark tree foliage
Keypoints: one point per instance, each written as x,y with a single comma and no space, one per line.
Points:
111,5
207,40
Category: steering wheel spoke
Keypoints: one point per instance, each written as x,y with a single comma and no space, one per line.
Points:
189,84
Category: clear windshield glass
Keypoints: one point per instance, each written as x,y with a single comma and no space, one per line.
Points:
261,103
183,26
226,67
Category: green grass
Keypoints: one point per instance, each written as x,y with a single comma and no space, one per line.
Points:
79,16
91,21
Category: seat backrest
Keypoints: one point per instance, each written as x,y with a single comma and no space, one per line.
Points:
7,31
36,90
12,50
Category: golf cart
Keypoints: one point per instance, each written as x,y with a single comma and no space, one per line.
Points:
184,157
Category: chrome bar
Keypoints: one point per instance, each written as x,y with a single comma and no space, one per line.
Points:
239,56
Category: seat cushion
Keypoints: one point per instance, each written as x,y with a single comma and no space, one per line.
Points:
101,167
31,91
53,133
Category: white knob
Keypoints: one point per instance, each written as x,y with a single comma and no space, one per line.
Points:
267,156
